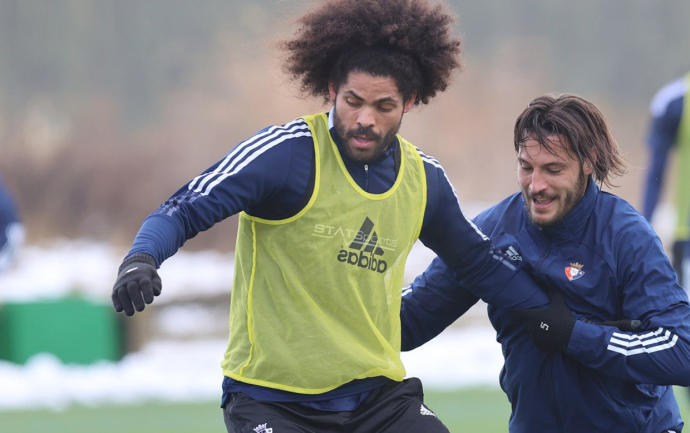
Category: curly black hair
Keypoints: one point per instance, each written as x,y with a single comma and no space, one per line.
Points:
407,40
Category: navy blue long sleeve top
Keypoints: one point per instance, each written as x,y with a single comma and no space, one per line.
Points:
609,265
270,175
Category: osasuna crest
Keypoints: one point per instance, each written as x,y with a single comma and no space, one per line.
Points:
574,271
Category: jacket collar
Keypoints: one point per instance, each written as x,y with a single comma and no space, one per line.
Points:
574,223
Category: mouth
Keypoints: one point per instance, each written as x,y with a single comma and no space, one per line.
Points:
541,203
362,141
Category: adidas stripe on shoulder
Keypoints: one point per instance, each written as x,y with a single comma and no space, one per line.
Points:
434,163
246,152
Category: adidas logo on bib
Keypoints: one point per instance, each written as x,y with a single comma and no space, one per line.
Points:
364,251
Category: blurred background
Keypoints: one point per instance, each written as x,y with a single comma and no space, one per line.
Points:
109,106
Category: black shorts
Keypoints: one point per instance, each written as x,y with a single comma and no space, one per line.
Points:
393,408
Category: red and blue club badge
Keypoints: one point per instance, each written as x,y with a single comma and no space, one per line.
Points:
574,271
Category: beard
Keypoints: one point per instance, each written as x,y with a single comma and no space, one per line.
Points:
381,144
570,199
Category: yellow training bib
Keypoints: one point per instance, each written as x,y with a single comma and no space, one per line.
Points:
316,297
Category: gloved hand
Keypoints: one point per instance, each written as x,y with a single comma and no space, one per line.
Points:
137,282
549,326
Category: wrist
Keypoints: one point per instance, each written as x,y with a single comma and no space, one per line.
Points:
138,258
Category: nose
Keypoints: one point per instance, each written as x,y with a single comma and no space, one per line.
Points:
366,117
537,182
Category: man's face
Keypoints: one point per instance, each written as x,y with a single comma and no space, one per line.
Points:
551,182
368,112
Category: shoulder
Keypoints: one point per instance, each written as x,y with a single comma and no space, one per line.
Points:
276,134
623,223
611,205
269,155
278,141
431,164
436,176
672,93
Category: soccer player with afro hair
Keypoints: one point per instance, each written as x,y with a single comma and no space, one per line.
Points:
329,207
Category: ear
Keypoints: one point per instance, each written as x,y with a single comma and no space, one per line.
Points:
332,91
409,103
588,167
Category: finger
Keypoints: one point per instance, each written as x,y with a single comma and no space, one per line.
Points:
125,302
146,290
134,292
116,301
157,285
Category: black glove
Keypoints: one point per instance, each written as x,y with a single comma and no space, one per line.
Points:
550,326
137,282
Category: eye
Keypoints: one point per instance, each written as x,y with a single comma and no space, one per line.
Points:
525,167
554,170
352,102
386,108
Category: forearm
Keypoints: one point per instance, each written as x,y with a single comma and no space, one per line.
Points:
659,355
478,265
430,304
505,284
159,236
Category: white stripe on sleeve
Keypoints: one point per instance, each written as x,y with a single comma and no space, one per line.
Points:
435,163
246,152
634,344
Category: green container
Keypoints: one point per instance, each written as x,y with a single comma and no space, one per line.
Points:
75,330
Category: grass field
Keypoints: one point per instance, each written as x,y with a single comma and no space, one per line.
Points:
465,410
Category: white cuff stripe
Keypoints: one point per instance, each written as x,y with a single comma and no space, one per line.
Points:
644,349
648,342
633,344
638,336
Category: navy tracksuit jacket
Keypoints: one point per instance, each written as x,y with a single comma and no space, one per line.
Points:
609,264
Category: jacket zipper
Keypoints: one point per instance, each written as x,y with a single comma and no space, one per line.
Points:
366,177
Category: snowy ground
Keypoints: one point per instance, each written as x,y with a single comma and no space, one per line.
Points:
191,372
182,371
175,371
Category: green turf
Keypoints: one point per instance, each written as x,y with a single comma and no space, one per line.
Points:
478,409
145,418
482,409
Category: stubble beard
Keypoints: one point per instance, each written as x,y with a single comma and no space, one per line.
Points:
570,201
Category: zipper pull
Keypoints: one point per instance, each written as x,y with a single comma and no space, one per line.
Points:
366,177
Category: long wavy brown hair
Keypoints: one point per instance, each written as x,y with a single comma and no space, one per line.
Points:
582,126
408,40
